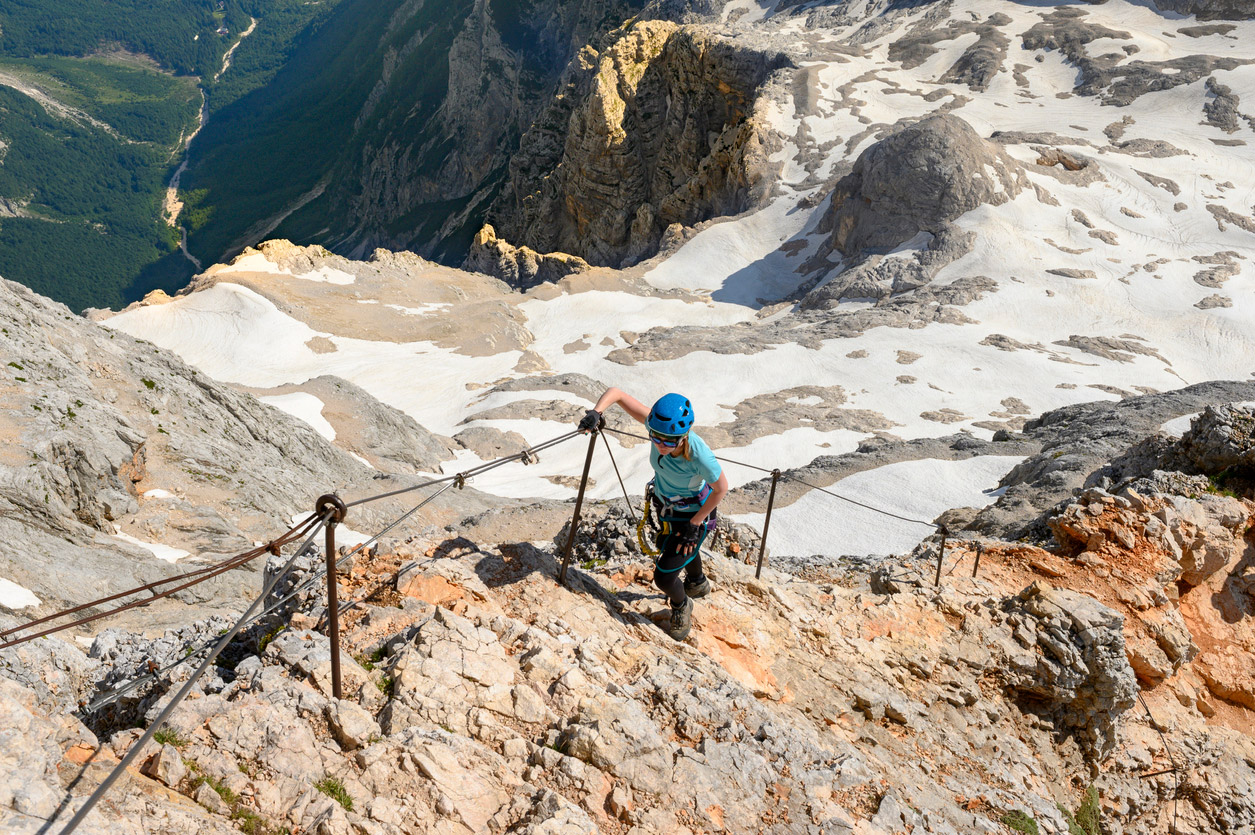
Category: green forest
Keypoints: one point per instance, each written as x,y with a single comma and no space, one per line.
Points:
116,88
88,196
256,156
178,34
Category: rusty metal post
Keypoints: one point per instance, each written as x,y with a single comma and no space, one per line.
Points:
771,501
941,555
579,504
332,505
980,547
333,610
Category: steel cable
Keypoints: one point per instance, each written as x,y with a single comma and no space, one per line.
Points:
226,639
797,480
201,576
318,574
627,501
465,474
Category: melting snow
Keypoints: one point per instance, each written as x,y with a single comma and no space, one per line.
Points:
303,406
161,552
820,524
13,596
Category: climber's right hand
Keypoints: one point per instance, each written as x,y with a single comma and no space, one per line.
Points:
592,421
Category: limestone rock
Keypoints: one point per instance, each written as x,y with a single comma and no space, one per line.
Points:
917,179
615,735
1221,438
653,130
520,267
1079,673
352,726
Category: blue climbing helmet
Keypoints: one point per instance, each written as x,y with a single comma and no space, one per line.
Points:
671,415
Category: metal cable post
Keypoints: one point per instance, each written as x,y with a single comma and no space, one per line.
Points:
771,501
941,555
331,505
579,504
139,744
980,548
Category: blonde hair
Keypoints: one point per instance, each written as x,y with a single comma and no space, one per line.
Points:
682,448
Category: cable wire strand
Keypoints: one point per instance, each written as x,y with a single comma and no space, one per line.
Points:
797,480
201,576
156,724
626,500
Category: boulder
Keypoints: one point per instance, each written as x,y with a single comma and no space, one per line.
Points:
352,726
1077,671
918,179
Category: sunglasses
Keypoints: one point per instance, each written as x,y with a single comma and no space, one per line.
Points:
664,441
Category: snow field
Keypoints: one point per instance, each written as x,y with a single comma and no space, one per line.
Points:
818,523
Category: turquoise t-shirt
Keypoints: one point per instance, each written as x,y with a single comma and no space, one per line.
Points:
677,477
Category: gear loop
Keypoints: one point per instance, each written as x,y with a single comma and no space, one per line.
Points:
332,506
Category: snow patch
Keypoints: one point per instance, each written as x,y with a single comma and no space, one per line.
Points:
303,406
14,597
161,552
821,524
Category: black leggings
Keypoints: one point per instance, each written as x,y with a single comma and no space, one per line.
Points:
671,563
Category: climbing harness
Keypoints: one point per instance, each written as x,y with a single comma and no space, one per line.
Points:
658,515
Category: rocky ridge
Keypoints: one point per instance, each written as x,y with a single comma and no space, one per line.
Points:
481,696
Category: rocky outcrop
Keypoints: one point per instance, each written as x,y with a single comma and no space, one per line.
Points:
1209,9
519,267
1075,667
918,179
1093,444
654,129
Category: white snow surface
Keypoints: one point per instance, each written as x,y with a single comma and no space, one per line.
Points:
162,552
822,524
303,406
1143,293
1180,425
14,597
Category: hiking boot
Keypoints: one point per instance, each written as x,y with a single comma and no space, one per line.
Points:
699,589
681,621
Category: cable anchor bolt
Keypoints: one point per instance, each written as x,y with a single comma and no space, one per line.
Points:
331,506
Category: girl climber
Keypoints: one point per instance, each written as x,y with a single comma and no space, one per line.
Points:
688,484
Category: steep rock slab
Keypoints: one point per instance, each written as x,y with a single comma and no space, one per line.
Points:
654,130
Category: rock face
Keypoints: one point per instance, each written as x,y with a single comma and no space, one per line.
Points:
1210,9
1084,444
93,419
653,130
917,179
521,266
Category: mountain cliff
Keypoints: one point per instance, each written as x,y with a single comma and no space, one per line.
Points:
392,125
